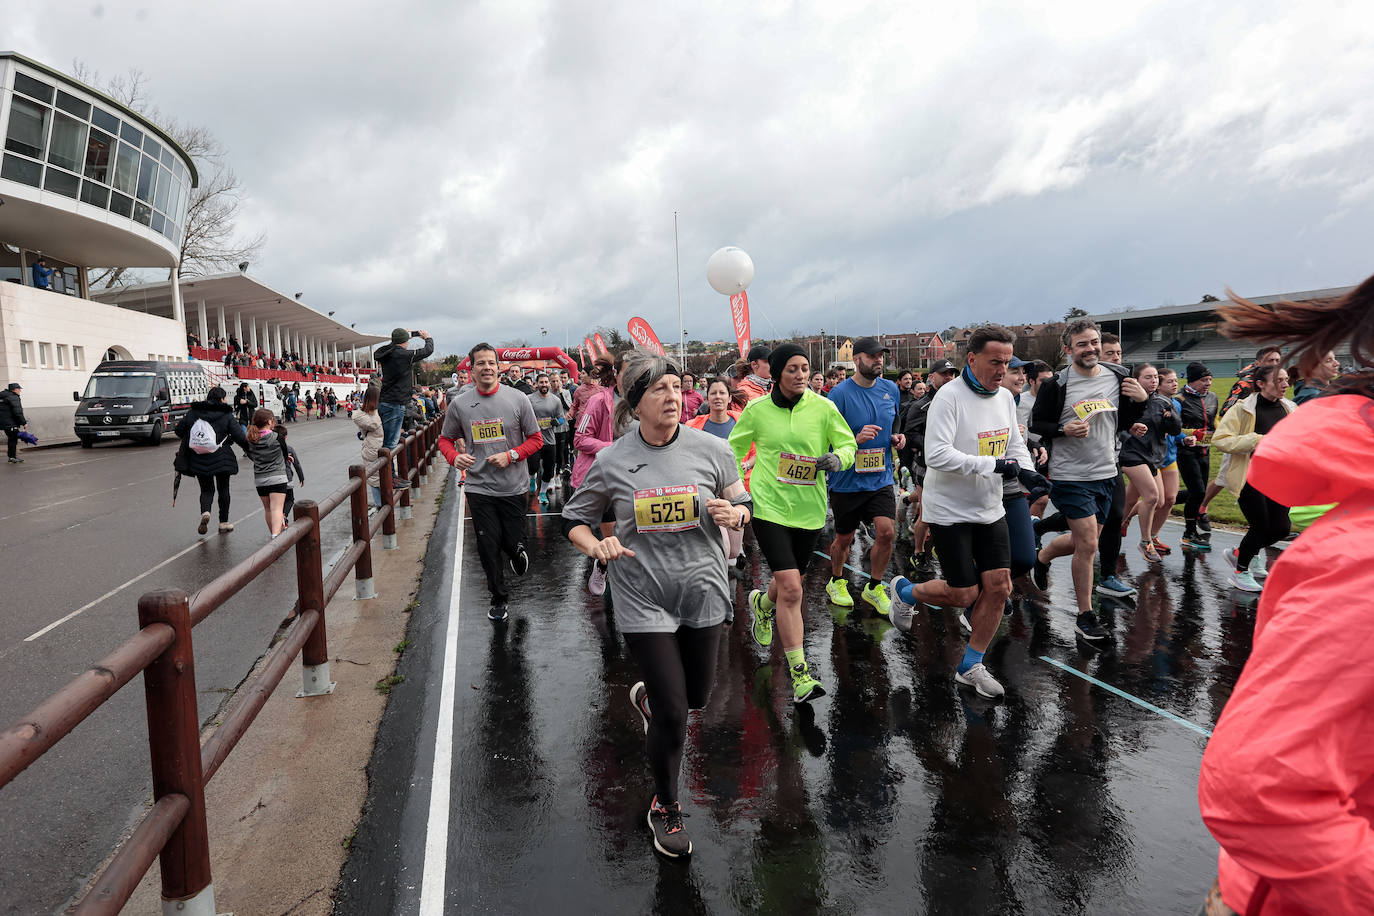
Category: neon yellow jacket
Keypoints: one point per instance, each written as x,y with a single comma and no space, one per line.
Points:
811,428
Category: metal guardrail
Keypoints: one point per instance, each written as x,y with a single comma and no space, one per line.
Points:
174,830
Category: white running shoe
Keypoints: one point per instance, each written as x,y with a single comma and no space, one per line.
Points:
980,679
596,582
1244,581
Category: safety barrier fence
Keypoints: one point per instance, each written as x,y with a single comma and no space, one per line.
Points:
174,830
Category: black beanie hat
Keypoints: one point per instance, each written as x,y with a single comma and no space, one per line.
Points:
1196,371
779,357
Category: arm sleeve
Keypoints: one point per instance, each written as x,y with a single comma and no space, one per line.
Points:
449,433
1230,439
586,439
840,436
529,427
942,423
1016,446
1044,419
423,353
742,436
238,435
588,503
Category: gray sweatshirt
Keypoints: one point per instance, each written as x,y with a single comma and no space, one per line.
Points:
269,460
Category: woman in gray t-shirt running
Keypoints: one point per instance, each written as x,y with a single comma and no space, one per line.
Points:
673,489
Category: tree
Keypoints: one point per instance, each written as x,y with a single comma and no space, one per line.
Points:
210,241
1075,312
1208,297
1046,345
514,342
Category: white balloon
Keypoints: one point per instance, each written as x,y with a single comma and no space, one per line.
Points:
730,270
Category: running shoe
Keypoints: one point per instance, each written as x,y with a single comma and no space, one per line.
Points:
964,621
1040,574
1115,588
1162,548
520,563
596,582
534,484
1257,568
497,613
204,525
876,595
805,688
838,591
763,620
1242,580
543,497
226,527
21,461
639,696
902,614
1088,627
925,564
1147,550
670,836
1196,541
1204,525
980,679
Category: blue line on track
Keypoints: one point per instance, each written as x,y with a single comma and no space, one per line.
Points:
1204,732
826,556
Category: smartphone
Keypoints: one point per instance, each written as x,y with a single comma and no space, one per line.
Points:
414,333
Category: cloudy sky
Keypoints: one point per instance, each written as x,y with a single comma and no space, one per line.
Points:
483,170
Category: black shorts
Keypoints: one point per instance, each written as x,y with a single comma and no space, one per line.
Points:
863,506
1154,471
282,488
784,547
966,548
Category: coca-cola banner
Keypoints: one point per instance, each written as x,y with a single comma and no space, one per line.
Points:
526,355
590,351
601,345
644,336
739,312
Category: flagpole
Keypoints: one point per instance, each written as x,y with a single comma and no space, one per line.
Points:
677,262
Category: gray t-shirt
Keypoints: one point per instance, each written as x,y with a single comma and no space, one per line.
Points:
490,424
1093,458
677,576
548,410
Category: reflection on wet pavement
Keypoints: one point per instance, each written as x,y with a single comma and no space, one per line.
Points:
900,792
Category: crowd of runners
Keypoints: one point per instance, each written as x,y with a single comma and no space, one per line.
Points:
992,471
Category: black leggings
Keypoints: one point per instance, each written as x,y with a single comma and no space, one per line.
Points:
208,486
679,669
546,461
561,443
499,525
1268,523
1194,468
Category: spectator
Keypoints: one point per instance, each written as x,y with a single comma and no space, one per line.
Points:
245,402
370,431
12,420
212,470
397,363
42,274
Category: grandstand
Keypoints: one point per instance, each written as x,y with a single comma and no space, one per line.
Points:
1176,335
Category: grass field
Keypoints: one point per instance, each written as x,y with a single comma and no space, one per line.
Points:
1223,509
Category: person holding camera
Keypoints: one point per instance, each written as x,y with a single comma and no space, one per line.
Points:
397,364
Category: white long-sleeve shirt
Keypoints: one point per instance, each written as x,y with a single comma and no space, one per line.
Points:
965,435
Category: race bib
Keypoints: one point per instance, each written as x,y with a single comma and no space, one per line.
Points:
667,509
1085,409
868,461
545,422
993,442
488,430
798,469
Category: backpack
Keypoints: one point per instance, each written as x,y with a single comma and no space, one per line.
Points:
202,439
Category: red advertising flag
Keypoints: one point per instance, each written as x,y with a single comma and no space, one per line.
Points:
601,345
590,351
739,311
642,334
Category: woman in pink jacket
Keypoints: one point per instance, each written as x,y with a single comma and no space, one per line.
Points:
595,430
1287,781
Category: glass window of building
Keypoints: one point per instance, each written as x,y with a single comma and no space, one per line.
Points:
126,170
32,87
98,146
78,357
152,147
61,356
24,171
132,134
61,183
28,128
143,213
94,194
164,178
67,147
159,222
25,353
105,121
147,176
72,105
121,204
43,349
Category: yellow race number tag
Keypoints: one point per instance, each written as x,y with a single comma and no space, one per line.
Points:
797,469
868,461
1085,409
993,442
545,422
488,430
667,509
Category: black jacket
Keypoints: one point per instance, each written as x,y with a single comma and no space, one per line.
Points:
11,410
245,409
914,428
1199,410
1161,418
1049,404
227,430
398,370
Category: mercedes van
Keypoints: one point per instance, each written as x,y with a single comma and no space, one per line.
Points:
137,399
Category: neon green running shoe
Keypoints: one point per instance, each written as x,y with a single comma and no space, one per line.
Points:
838,592
805,688
763,620
876,595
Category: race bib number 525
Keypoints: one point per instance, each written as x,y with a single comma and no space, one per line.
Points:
666,509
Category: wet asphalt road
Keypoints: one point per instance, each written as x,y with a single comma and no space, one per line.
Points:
900,792
74,525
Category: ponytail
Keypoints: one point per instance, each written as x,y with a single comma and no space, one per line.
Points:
262,417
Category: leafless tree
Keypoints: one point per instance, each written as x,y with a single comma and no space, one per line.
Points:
210,242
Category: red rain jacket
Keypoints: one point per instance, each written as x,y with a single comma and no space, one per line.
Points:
1287,782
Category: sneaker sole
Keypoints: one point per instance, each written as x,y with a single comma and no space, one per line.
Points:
978,690
1079,630
1110,593
649,819
877,607
204,525
635,704
815,693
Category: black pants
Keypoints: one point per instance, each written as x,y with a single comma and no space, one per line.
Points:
12,441
499,525
561,443
1268,523
545,462
1194,468
208,486
679,669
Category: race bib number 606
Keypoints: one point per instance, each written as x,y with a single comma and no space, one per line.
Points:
488,430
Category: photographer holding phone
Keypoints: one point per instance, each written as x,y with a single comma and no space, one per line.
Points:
397,363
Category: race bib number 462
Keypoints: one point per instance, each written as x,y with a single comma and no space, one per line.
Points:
667,509
993,442
1085,409
488,430
797,469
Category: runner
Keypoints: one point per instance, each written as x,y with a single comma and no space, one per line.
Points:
794,431
562,433
719,421
1142,457
972,446
1315,373
756,380
1168,471
868,402
595,431
818,382
1199,417
548,413
914,428
1238,435
1243,387
1083,464
691,398
489,430
666,568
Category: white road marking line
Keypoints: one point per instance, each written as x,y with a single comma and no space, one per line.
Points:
63,502
65,464
436,833
119,588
